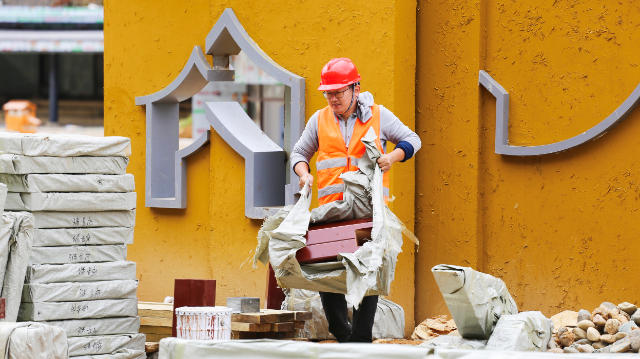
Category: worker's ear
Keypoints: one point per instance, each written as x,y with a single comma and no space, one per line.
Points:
356,90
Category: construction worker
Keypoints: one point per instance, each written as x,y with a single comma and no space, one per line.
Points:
335,133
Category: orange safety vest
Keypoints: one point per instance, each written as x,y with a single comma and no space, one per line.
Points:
335,158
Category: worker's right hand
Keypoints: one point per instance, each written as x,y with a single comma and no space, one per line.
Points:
306,177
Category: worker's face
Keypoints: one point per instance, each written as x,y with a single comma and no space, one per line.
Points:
340,99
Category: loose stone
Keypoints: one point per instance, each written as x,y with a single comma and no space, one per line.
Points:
621,346
585,325
593,334
586,348
598,345
612,326
555,350
584,315
627,307
599,321
571,350
579,333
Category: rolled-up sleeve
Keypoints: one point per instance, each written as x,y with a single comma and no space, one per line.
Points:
393,130
307,145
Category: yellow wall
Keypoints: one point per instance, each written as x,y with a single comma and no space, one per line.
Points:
146,46
561,229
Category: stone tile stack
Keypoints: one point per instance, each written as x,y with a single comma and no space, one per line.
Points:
83,205
609,328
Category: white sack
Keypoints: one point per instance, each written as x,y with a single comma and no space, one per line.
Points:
85,219
104,326
388,322
68,183
526,331
47,311
63,145
119,354
32,341
81,272
71,292
6,231
20,250
66,202
174,348
476,300
105,344
368,271
78,254
3,195
54,237
455,342
16,164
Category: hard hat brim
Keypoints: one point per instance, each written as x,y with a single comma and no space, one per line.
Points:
334,86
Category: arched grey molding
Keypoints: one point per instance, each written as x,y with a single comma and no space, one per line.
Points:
502,123
266,163
228,37
161,184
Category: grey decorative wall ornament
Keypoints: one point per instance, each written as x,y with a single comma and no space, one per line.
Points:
502,123
269,179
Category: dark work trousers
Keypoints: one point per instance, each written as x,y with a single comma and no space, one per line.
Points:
335,308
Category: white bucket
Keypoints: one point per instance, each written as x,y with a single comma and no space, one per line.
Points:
203,323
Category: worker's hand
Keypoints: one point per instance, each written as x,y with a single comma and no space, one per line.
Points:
385,162
306,177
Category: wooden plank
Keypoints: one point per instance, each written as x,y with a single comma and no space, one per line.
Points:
151,329
163,306
150,347
303,315
243,335
258,318
156,322
193,293
283,327
155,313
250,327
282,315
156,337
299,325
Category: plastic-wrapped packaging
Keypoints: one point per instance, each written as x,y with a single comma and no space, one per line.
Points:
32,340
118,354
19,252
78,254
85,219
525,331
79,291
476,300
49,311
80,272
103,326
17,164
66,202
63,145
53,237
57,182
105,344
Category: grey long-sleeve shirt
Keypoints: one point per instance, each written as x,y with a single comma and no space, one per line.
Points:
391,129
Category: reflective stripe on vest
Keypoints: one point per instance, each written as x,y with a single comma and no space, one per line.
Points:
335,158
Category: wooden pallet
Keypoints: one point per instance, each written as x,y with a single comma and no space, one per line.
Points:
269,324
155,320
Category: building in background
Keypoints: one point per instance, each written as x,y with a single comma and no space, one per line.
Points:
51,52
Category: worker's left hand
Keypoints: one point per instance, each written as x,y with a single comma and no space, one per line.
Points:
384,162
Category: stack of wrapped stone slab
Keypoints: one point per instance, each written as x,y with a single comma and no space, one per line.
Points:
83,208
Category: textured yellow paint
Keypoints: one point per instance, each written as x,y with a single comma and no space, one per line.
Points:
559,229
146,45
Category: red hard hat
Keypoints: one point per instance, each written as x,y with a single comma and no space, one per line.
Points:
338,73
